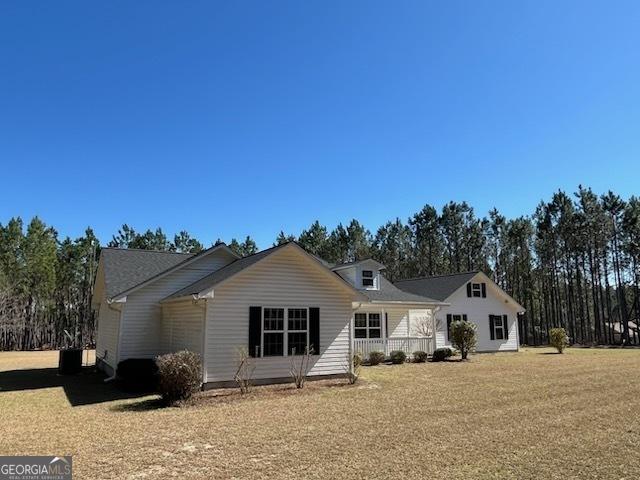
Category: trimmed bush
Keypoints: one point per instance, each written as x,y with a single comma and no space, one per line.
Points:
441,354
138,374
179,375
463,337
397,357
419,356
376,358
558,339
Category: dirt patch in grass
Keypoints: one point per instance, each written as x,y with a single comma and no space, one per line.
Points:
512,415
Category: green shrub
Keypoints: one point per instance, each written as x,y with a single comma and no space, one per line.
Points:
441,354
419,356
558,339
463,337
179,375
397,357
138,374
375,358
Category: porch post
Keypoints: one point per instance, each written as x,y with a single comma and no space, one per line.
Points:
385,343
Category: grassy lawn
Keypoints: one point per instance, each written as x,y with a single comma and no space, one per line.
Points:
515,415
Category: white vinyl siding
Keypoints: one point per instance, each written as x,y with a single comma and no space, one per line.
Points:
141,335
478,311
285,278
182,326
107,336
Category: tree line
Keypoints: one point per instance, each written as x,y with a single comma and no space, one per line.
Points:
573,263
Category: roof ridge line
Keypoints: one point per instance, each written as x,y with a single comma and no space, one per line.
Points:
147,250
439,276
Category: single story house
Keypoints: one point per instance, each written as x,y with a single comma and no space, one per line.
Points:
275,304
475,297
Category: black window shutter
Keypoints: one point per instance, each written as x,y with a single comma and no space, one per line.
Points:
506,327
386,324
255,330
448,326
464,317
493,334
484,290
468,289
314,330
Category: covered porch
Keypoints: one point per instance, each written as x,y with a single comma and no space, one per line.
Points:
388,327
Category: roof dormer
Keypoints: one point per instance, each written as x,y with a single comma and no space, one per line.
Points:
364,274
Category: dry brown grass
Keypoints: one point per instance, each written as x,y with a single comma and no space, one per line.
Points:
525,415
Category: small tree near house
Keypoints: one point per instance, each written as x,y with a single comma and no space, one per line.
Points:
464,337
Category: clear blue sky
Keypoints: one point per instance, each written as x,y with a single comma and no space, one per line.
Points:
235,118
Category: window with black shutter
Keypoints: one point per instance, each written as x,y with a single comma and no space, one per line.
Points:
498,327
282,331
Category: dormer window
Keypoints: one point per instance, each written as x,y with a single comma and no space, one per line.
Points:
367,278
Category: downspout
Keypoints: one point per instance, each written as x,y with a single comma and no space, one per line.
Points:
434,327
196,301
351,352
119,310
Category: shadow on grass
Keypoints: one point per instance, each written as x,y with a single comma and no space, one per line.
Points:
85,388
141,406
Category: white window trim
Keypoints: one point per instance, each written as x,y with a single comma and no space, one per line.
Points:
372,278
368,327
473,290
285,332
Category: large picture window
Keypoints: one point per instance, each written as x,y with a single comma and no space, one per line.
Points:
367,325
280,336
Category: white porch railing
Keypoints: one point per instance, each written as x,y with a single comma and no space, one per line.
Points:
364,346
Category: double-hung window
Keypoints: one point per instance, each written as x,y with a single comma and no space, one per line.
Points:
285,330
476,289
367,278
367,325
499,327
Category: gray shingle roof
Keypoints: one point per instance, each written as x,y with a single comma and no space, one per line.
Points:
439,287
126,268
390,293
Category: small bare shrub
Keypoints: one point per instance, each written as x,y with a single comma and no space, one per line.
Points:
376,358
300,369
244,374
354,368
179,375
558,339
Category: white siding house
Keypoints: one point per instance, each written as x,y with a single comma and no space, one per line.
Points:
276,304
474,297
286,279
130,321
390,319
